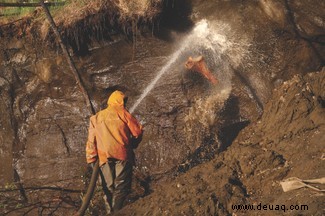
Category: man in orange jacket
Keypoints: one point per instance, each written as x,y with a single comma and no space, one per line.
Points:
113,134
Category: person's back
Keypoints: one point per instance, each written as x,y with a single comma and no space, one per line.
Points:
111,132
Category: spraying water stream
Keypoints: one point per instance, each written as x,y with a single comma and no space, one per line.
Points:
201,28
216,48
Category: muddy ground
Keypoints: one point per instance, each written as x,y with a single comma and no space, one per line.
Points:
205,147
287,141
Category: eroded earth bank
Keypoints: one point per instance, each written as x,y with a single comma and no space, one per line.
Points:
206,147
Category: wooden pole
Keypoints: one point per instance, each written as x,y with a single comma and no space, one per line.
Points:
91,187
68,57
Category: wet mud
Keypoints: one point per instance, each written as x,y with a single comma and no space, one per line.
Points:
205,146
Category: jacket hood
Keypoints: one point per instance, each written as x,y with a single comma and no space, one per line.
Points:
116,99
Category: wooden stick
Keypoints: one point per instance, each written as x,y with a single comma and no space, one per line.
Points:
68,57
92,184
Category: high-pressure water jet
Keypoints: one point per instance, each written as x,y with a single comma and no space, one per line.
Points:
200,29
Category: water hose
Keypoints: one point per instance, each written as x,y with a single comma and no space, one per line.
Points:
90,191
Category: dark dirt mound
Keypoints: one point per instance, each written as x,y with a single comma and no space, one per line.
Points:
286,142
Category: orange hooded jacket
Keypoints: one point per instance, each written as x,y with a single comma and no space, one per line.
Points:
111,131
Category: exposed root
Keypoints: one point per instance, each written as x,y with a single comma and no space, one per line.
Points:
93,20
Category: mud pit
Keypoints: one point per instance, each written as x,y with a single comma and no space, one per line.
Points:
188,122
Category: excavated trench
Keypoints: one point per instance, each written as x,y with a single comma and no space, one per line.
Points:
251,47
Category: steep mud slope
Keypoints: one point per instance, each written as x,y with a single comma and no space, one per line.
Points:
286,142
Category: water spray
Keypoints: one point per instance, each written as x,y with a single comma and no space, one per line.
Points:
200,30
218,50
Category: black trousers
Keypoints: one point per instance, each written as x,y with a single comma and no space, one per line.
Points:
116,176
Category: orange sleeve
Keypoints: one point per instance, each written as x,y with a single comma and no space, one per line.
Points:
91,145
133,124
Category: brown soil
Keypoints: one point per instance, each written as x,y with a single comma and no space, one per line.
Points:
287,141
